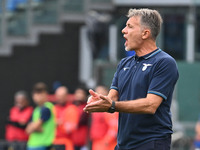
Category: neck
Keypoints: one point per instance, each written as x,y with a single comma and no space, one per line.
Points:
63,104
22,108
41,104
146,48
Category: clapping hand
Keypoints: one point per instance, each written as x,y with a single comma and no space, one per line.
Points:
97,103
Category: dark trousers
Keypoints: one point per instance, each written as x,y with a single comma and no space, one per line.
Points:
163,144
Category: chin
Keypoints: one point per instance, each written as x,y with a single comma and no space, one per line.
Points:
128,49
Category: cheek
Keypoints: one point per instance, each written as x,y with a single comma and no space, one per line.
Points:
36,98
135,38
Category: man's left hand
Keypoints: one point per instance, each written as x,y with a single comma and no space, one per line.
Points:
101,105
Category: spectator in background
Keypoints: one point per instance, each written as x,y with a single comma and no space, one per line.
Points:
103,132
197,137
66,118
19,116
79,137
42,127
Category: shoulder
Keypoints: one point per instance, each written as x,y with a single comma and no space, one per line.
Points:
49,105
71,107
166,64
14,108
45,112
57,106
29,108
165,60
165,57
71,110
126,59
45,109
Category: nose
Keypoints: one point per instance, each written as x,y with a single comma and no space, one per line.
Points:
124,30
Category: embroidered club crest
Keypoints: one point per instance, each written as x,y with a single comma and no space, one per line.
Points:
145,66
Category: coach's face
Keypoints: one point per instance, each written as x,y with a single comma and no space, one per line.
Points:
133,34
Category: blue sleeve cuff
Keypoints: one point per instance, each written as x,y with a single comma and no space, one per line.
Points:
114,87
158,93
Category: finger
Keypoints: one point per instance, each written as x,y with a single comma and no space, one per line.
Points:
103,97
85,110
92,109
89,100
93,106
94,103
92,93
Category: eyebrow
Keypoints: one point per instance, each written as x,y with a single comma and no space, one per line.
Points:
128,24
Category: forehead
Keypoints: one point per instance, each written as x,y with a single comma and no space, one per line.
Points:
39,93
79,91
20,97
134,20
61,91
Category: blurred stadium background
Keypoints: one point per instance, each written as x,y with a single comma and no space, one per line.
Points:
80,41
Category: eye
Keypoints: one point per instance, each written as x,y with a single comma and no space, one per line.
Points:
130,26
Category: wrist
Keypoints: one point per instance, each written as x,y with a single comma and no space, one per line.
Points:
112,108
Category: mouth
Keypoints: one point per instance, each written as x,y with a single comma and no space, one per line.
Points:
126,41
125,38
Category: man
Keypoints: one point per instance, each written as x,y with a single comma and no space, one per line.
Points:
197,136
42,127
142,87
66,119
19,116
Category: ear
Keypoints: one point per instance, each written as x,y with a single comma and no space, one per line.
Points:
146,34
